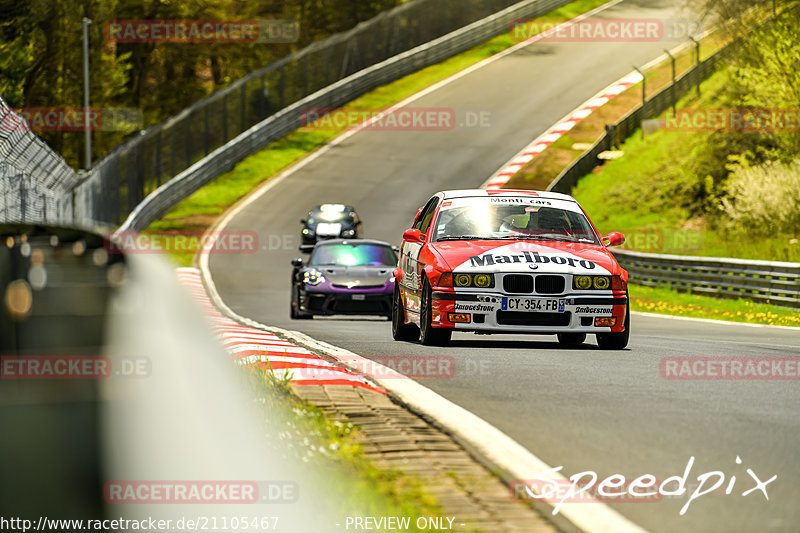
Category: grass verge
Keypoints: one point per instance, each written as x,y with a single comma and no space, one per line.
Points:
546,166
329,453
664,300
201,209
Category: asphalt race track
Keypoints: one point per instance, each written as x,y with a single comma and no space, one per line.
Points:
583,409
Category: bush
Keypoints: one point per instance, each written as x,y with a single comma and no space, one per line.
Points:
765,199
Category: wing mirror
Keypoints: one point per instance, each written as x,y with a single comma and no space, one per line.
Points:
297,262
413,235
303,221
614,239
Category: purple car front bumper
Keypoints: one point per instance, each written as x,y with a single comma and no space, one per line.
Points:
329,299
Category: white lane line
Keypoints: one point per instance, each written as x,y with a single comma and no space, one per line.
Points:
474,433
713,321
571,119
496,450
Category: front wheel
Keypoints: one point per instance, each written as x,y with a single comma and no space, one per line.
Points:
294,311
616,341
400,330
428,335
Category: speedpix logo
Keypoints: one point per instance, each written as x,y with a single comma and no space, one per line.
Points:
530,258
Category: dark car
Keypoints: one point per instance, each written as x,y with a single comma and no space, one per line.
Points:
344,277
329,221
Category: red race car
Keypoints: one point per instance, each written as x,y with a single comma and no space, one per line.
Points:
506,261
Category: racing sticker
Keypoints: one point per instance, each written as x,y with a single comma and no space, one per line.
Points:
590,310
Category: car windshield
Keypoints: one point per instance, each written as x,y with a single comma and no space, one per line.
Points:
332,214
353,255
513,218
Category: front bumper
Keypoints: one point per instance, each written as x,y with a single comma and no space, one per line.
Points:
489,313
345,302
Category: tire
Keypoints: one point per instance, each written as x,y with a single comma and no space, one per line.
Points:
294,307
616,341
571,339
400,330
428,335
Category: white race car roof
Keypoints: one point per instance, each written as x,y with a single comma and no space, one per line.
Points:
466,193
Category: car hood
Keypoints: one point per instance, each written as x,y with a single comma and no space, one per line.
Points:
526,256
356,276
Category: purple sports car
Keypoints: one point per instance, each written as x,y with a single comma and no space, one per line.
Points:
344,277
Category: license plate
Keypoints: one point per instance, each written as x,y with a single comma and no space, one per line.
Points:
359,297
534,305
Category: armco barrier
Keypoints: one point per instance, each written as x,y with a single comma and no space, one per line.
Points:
765,281
221,127
335,95
624,128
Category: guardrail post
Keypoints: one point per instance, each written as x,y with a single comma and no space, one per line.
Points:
644,94
206,147
697,62
242,99
225,118
672,87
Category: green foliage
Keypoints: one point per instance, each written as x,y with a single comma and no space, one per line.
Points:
41,61
764,200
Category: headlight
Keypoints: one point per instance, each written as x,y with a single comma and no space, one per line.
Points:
481,281
307,231
349,233
598,283
313,277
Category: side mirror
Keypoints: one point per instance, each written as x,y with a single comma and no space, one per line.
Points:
614,239
297,262
303,221
413,235
358,223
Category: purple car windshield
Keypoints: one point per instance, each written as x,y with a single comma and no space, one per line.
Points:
353,255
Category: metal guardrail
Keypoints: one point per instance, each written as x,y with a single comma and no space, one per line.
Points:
121,180
624,128
335,95
765,281
34,180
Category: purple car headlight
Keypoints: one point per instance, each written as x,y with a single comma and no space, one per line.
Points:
313,277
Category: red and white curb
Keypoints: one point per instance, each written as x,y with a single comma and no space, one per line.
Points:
501,177
255,346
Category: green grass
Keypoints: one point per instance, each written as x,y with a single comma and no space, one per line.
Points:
330,455
668,301
198,211
641,194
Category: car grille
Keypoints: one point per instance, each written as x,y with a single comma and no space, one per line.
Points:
520,318
549,284
518,283
359,287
